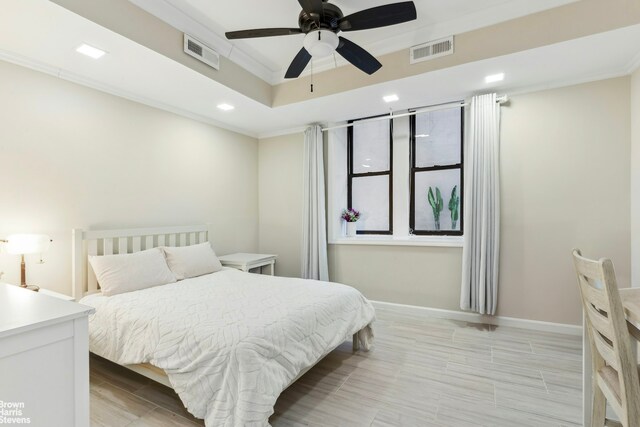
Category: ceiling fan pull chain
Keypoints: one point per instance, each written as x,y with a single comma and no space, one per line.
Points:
311,76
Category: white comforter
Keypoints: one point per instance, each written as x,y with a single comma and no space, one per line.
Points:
230,342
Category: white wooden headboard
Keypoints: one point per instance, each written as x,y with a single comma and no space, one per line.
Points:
110,242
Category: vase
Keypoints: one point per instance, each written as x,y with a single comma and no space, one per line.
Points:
351,229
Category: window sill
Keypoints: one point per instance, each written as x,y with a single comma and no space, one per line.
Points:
437,241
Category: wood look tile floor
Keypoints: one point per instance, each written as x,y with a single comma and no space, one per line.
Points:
422,372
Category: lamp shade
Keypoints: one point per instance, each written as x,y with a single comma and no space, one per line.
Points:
321,43
24,244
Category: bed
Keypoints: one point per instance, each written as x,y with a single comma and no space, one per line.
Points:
229,342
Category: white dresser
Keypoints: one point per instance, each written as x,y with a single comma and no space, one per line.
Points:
44,359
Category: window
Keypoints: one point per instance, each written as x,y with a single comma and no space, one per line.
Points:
370,175
384,168
436,176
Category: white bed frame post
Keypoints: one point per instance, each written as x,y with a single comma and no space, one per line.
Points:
77,264
210,233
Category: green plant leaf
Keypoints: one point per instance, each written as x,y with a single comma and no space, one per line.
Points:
432,200
454,198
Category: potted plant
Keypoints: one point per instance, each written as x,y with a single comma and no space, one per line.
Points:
351,216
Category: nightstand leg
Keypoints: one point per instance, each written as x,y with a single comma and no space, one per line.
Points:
273,268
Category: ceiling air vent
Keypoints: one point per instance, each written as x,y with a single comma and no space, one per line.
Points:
431,50
199,51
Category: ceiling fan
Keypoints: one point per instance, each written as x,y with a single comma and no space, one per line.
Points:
321,22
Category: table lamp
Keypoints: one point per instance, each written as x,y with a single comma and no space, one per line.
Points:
27,244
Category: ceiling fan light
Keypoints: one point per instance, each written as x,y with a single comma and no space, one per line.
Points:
321,43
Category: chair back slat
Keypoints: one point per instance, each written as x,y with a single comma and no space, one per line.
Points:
606,350
593,294
607,331
599,321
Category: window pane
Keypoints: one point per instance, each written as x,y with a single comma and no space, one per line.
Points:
371,146
370,196
445,180
438,138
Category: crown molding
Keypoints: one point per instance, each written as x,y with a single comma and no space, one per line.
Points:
634,64
184,22
405,40
282,132
512,91
93,84
560,83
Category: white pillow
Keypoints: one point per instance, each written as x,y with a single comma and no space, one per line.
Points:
118,274
192,261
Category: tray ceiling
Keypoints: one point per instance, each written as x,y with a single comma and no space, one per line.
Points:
436,18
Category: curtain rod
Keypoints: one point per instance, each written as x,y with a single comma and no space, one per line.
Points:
500,100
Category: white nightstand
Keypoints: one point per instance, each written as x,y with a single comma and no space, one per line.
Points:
56,294
246,262
48,293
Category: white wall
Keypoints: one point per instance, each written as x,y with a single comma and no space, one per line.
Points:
565,183
75,157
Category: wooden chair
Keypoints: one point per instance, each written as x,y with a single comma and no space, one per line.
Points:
614,369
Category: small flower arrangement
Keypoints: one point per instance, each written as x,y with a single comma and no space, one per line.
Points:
350,215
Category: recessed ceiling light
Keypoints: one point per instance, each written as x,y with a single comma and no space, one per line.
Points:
226,107
90,51
494,78
390,98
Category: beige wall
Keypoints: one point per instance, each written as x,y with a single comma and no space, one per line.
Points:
280,193
75,157
565,183
635,178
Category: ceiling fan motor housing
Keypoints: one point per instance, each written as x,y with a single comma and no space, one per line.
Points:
329,18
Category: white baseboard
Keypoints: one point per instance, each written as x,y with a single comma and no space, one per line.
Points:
464,316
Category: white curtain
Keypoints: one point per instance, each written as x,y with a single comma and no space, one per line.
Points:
314,233
481,250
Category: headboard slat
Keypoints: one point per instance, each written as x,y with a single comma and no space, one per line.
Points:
136,244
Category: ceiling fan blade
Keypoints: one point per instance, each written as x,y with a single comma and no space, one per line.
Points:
262,32
311,6
358,56
380,16
298,65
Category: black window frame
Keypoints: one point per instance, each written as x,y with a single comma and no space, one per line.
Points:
351,175
414,170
